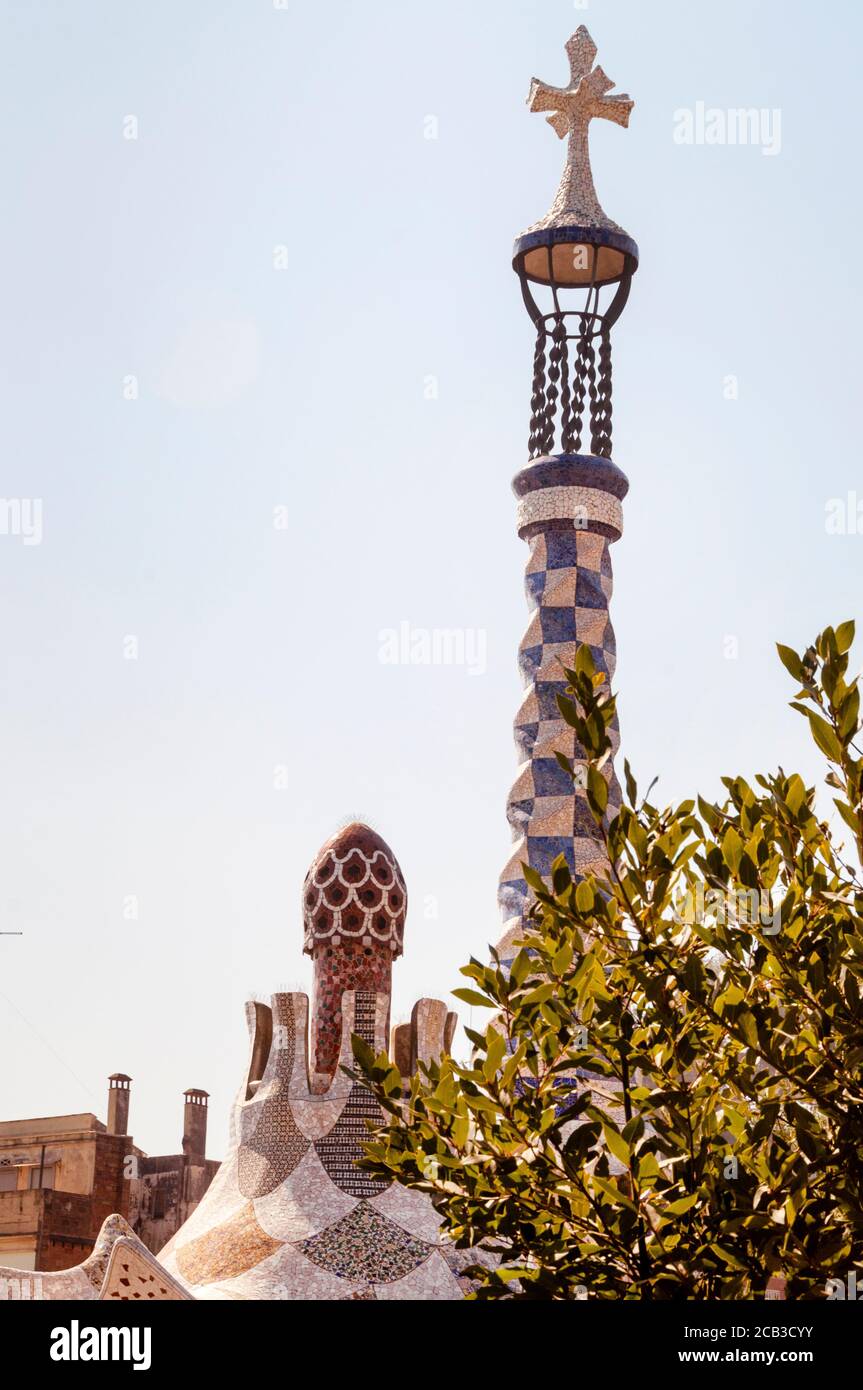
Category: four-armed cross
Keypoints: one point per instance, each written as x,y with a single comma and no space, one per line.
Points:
573,108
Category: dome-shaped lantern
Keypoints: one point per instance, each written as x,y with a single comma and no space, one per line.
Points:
575,252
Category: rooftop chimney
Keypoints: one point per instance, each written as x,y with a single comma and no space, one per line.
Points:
354,906
195,1123
118,1103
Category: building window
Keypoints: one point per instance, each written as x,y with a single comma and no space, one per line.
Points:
8,1179
47,1175
158,1204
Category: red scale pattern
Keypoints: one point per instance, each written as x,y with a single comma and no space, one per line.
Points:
354,908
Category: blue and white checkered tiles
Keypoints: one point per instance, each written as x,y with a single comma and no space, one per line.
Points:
569,513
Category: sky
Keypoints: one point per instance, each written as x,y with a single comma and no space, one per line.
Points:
265,377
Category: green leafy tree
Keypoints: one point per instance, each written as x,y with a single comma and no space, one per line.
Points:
667,1101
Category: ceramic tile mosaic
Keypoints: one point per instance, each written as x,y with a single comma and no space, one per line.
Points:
569,513
411,1210
291,1276
567,503
305,1204
366,1246
272,1144
339,1150
342,1146
429,1023
432,1280
316,1113
226,1250
134,1275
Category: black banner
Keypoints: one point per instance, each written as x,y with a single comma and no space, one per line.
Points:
155,1338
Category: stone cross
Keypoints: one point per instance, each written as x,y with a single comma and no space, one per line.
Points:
572,109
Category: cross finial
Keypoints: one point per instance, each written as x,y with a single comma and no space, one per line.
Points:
572,109
581,51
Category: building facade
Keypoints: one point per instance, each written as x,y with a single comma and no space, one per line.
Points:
61,1177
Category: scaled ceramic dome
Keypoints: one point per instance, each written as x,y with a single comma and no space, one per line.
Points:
354,891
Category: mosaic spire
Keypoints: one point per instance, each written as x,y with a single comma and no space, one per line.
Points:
569,502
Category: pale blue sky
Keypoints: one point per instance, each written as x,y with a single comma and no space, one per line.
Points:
305,127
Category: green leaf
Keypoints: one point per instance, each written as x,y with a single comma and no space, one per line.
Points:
631,785
363,1053
584,663
570,713
495,1053
617,1144
824,736
796,795
849,817
709,814
791,661
597,791
562,960
461,1130
732,849
541,993
730,997
520,968
584,897
611,1190
682,1205
561,878
745,1021
472,996
849,714
533,879
845,636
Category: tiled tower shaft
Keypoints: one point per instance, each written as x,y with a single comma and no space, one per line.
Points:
570,513
347,966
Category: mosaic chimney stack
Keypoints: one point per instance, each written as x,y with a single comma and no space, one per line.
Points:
575,267
354,909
